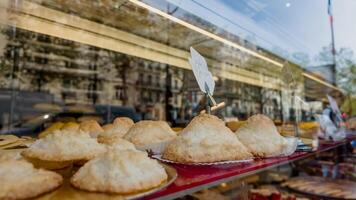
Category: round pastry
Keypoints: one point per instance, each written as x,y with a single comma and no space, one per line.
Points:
206,139
20,180
92,127
64,146
149,132
124,121
116,130
260,136
120,172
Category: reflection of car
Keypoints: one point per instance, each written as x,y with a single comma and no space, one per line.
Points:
102,113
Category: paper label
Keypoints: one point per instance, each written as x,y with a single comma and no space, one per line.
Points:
201,72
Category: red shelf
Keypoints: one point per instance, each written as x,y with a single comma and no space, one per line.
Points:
194,178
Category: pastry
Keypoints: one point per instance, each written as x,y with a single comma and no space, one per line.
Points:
14,154
8,139
125,121
70,126
50,129
20,180
206,139
116,130
64,146
121,172
119,144
148,132
92,127
260,136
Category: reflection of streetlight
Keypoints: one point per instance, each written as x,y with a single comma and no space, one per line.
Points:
46,116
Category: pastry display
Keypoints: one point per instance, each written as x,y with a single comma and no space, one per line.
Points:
148,132
92,127
117,129
206,139
121,172
63,147
20,180
325,187
260,136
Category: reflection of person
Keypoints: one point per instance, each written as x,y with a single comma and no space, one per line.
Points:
349,106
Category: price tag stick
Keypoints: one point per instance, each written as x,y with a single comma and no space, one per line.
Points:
210,101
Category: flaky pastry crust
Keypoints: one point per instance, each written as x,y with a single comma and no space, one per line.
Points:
149,132
65,146
20,180
117,129
260,136
121,172
92,127
206,139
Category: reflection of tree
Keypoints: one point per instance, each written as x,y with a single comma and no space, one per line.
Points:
345,66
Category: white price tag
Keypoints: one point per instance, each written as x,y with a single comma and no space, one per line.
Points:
201,72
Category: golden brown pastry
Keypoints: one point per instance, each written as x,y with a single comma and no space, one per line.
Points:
206,139
20,180
14,154
92,127
118,129
121,172
149,132
70,126
125,121
64,146
260,136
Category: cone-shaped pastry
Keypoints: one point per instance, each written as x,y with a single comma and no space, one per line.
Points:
260,136
20,180
206,139
117,129
65,146
149,132
120,172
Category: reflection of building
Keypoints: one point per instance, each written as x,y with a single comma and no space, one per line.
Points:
77,73
325,72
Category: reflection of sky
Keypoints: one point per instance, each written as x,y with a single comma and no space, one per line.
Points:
282,26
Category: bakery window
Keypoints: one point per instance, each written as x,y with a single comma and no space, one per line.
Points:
82,82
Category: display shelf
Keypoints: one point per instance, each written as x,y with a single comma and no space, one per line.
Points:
195,178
